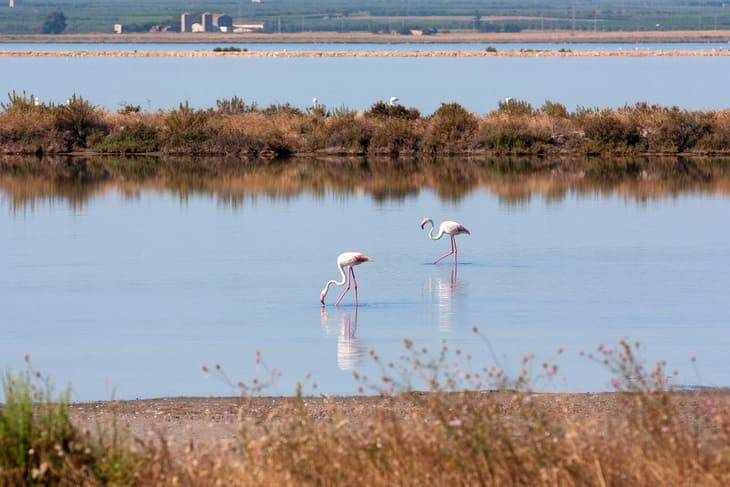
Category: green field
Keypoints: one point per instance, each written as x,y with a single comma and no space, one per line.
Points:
86,16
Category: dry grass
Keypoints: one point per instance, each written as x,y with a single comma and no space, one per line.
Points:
451,434
238,129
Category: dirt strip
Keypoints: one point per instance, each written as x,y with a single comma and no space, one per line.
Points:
366,37
360,54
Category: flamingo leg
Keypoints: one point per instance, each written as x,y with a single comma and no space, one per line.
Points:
448,253
456,249
352,271
346,289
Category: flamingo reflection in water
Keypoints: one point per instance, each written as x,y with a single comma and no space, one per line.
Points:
443,293
350,351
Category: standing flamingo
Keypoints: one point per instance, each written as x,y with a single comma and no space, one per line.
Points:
452,229
347,260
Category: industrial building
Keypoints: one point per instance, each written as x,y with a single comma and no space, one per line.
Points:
186,22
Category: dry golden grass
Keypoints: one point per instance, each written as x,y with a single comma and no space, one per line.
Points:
643,434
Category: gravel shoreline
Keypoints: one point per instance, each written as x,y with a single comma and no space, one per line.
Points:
210,420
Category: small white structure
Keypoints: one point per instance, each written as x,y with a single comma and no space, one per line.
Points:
118,29
197,27
255,1
252,27
11,3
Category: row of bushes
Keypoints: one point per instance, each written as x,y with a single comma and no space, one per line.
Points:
237,128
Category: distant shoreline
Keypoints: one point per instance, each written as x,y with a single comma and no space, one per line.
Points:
362,54
367,38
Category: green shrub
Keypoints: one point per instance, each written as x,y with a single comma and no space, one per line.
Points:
186,130
512,107
229,49
234,106
78,119
135,139
680,130
282,108
553,109
491,49
385,110
35,432
604,130
129,109
20,103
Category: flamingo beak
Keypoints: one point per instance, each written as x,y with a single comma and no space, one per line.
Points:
423,224
321,298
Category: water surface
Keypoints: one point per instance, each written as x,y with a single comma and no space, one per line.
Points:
477,83
128,285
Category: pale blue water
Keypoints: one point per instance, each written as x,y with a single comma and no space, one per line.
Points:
502,46
478,84
134,292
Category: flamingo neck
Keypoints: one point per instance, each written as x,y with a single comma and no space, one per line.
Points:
337,283
438,235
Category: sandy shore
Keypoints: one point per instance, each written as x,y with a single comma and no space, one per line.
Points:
210,420
360,54
364,37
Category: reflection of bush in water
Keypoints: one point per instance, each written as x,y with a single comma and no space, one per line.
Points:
514,180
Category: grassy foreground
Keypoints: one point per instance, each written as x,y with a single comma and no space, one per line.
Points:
236,128
649,436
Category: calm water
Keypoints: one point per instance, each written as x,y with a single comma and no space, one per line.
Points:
131,287
507,46
425,83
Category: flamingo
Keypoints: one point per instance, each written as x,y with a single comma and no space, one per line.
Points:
452,229
346,260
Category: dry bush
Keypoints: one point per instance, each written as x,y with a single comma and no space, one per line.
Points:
605,130
515,134
395,135
347,132
451,129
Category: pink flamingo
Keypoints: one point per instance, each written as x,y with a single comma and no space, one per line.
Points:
452,229
347,260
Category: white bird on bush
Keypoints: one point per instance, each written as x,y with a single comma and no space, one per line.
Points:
393,101
315,103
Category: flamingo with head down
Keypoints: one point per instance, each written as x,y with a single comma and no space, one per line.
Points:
452,229
345,263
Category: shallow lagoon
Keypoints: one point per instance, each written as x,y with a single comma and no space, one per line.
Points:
128,287
477,83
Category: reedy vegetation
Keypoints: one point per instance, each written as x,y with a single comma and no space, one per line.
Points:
452,434
236,128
